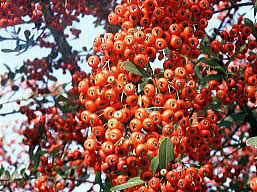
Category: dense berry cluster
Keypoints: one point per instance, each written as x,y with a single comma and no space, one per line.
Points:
161,77
128,113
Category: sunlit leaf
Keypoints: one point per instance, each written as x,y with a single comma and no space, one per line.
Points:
128,184
166,153
155,164
131,67
252,141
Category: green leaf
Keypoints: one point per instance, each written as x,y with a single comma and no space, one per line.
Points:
131,67
3,82
135,182
166,153
238,118
8,50
23,173
155,164
1,171
11,75
7,67
244,160
252,141
133,179
98,178
197,71
250,24
1,106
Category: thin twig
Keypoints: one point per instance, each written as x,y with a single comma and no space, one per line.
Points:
233,7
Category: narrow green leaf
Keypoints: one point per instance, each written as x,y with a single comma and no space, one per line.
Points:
197,71
133,183
98,178
8,50
1,171
37,157
225,124
131,67
7,67
133,179
1,106
166,153
252,141
155,164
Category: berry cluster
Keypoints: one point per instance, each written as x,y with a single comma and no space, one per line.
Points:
129,112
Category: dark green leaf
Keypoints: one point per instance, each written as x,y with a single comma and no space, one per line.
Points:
98,179
155,164
37,157
244,160
7,67
3,82
209,61
128,184
1,171
11,75
224,124
252,141
1,106
23,173
8,50
166,153
238,118
131,67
